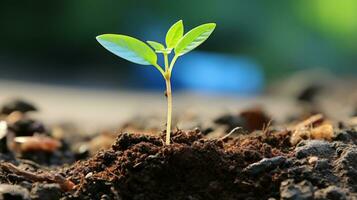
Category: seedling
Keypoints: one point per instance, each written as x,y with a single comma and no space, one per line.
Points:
138,52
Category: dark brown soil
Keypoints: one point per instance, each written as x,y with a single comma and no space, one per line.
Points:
250,167
258,162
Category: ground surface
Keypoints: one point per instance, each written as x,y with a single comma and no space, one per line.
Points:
286,148
98,108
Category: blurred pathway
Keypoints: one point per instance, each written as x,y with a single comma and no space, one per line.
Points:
95,109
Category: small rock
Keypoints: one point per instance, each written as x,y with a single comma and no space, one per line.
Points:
11,192
322,164
264,165
300,191
331,193
27,127
3,129
90,174
17,105
3,137
312,160
104,197
319,148
43,191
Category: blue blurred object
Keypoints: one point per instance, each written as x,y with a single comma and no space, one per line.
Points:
209,72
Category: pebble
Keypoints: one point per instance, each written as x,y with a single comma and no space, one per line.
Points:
322,164
27,127
17,105
264,165
43,191
291,191
319,148
312,160
11,192
90,174
3,137
104,197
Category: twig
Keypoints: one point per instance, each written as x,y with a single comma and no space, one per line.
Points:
65,184
309,121
266,127
230,133
107,170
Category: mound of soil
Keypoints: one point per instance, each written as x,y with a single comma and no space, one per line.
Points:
248,167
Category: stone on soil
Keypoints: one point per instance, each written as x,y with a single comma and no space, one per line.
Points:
11,192
319,148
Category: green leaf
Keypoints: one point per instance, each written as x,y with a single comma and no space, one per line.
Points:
129,48
194,38
174,34
156,46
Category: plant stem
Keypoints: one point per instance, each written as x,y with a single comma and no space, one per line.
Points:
166,59
173,62
169,98
158,67
169,109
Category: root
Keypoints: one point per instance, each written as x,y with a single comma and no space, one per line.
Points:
230,133
66,185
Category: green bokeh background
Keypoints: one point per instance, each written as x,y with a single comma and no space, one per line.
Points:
51,39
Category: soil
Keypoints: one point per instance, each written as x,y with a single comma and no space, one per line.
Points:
303,159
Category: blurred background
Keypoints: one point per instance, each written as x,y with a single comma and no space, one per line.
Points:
257,47
255,42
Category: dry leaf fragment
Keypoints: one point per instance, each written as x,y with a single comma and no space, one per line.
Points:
312,128
323,132
36,143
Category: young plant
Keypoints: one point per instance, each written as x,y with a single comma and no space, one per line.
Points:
138,52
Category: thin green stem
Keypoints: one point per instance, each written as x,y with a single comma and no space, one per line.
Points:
166,59
158,67
169,110
169,98
167,76
173,62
